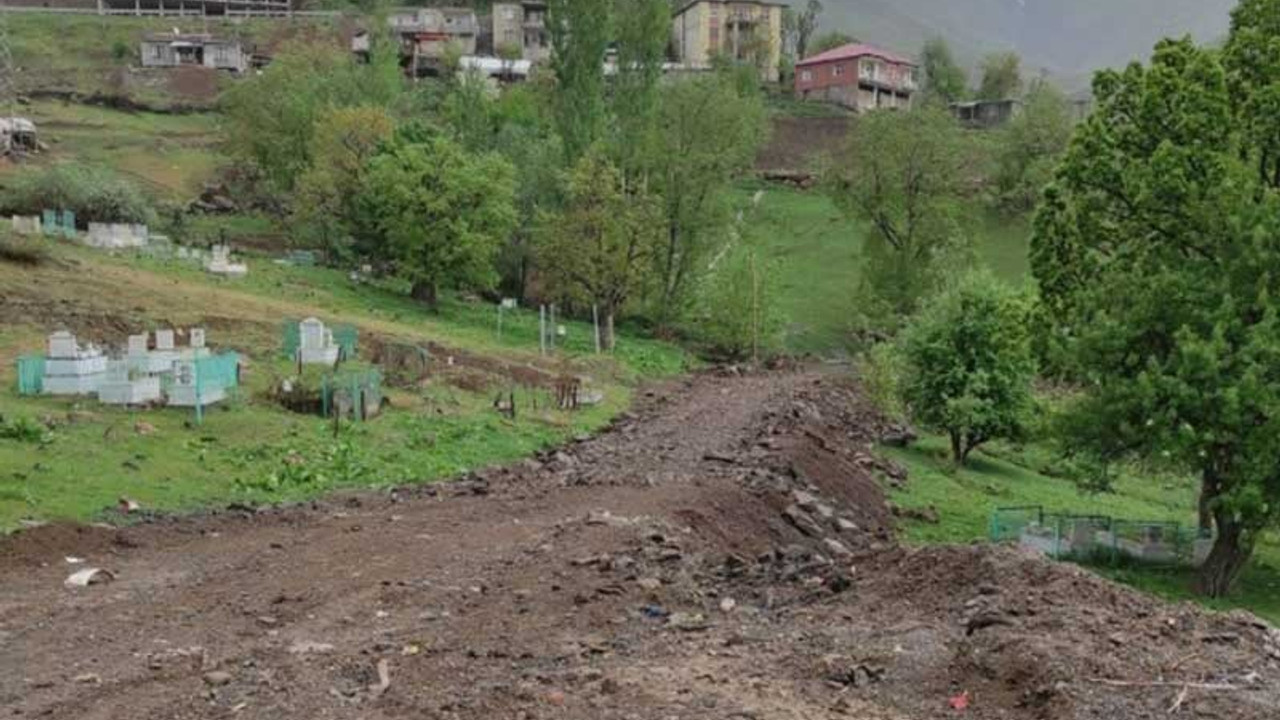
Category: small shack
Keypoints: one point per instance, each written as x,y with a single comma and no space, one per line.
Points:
169,50
986,114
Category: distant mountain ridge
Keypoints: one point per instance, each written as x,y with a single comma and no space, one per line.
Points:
1068,38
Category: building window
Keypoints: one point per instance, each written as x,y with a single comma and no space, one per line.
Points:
837,70
806,76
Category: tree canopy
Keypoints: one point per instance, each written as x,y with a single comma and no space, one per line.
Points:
969,365
1001,77
1155,253
944,80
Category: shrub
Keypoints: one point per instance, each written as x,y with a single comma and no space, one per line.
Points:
739,316
969,366
93,194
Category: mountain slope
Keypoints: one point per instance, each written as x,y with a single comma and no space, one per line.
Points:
1068,38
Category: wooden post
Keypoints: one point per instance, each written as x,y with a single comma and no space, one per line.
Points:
542,329
595,322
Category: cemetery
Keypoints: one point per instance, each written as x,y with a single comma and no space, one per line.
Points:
146,374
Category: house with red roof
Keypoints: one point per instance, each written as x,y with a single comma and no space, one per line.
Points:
858,76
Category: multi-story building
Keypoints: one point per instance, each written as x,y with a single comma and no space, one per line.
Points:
522,27
428,34
857,76
743,30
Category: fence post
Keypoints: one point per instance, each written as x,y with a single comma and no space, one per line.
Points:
542,329
595,322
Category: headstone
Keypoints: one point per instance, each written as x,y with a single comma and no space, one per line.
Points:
315,343
197,337
122,385
62,344
164,339
220,263
138,345
71,369
26,224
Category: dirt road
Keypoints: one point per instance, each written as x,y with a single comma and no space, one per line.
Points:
721,552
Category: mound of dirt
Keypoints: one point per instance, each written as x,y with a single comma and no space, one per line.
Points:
724,550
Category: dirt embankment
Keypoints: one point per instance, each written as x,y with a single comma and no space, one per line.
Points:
723,551
797,144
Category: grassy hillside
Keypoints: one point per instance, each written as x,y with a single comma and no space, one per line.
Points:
1069,39
89,456
815,252
98,56
170,156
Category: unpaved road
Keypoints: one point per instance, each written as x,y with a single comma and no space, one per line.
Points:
722,552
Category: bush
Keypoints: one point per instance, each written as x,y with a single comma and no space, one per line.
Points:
969,366
23,250
738,314
93,194
880,370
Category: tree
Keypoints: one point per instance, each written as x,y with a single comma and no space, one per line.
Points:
969,366
1252,60
324,202
900,172
1030,147
943,78
642,32
806,23
272,116
1155,254
830,41
598,249
738,315
580,33
1001,76
441,212
708,133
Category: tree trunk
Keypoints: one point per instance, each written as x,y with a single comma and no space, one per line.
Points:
957,448
426,292
608,340
1231,550
1208,491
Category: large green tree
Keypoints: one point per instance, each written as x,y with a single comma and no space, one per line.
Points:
272,116
1001,76
944,80
969,365
597,250
580,33
901,173
709,130
1030,147
441,212
1156,256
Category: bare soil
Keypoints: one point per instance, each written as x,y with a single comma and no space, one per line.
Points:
723,551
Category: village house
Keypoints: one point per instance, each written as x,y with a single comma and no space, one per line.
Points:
522,26
168,50
748,30
428,35
858,76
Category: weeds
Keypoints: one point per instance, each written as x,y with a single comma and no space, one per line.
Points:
24,250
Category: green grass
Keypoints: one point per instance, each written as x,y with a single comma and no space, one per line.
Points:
93,455
74,53
816,251
169,156
966,499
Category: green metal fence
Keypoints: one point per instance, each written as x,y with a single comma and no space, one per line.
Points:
354,394
1098,538
31,375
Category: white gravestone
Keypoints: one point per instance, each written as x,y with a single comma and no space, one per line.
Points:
220,263
183,391
197,337
124,386
315,346
70,369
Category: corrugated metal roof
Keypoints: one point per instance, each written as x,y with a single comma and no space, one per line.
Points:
856,50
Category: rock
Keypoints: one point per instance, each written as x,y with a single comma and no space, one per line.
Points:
837,548
845,525
88,679
217,678
687,622
89,576
555,697
727,605
144,428
308,647
802,521
649,584
601,517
